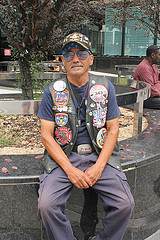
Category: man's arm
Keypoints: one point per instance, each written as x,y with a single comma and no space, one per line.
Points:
96,170
76,176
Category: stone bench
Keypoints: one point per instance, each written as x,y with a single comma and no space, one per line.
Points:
141,163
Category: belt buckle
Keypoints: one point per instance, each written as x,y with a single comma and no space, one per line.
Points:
84,149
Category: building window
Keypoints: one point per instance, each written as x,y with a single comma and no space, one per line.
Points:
136,40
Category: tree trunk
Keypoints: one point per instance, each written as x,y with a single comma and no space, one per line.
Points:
25,79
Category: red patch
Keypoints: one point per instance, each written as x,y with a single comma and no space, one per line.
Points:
14,167
128,150
8,160
39,156
4,170
63,135
142,152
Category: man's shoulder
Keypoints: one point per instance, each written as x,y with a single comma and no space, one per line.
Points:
143,65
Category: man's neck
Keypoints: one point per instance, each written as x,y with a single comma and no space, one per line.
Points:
149,60
78,80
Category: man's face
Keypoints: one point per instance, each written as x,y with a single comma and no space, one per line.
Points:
156,57
77,61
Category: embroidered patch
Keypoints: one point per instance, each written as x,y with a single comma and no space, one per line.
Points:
60,98
61,119
99,117
92,105
54,108
59,85
63,135
98,93
101,137
62,109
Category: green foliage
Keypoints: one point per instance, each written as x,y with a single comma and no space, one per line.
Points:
6,140
38,84
6,137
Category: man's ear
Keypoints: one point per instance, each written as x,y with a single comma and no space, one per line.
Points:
153,55
62,58
91,60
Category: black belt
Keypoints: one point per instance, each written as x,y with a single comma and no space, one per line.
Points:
83,149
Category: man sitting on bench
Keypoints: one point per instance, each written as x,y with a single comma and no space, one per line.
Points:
148,72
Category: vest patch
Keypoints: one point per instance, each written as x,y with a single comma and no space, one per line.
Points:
59,85
63,135
101,137
61,119
99,117
98,93
60,98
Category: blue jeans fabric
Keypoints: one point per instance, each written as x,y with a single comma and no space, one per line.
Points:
112,188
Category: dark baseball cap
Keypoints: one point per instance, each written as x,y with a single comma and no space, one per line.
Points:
79,38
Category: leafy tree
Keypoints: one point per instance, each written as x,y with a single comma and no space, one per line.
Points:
35,29
145,14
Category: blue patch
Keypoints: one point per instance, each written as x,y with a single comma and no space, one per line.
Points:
61,119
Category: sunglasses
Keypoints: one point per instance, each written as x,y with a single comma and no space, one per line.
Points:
81,54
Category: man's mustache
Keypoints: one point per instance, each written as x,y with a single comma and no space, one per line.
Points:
76,65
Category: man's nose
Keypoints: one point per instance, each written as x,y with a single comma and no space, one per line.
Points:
75,58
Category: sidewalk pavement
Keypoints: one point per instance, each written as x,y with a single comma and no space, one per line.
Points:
9,92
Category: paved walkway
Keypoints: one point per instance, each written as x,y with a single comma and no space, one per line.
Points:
9,92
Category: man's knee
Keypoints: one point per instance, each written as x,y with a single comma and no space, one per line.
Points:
46,205
126,205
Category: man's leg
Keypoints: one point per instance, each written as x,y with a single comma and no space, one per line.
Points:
55,189
89,217
118,203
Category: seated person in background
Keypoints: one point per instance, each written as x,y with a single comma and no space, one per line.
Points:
148,72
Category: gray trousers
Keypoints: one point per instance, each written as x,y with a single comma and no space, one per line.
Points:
112,188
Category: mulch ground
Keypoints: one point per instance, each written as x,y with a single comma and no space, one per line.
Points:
20,131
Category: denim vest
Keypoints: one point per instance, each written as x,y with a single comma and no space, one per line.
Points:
66,127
